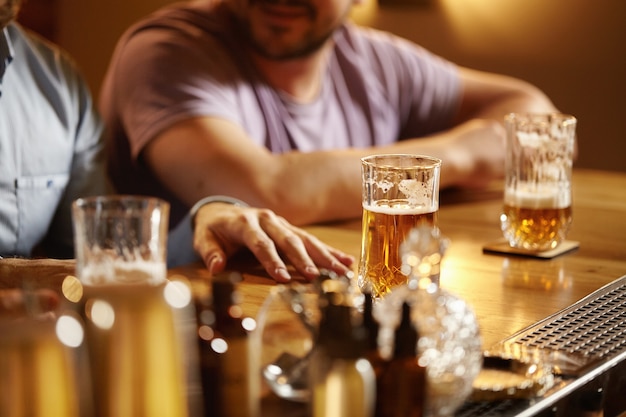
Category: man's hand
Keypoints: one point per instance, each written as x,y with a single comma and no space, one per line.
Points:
222,229
475,155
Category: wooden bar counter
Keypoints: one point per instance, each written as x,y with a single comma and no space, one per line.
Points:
507,293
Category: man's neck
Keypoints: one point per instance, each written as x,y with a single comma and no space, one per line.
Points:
299,78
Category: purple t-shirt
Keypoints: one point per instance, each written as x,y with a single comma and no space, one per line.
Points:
185,61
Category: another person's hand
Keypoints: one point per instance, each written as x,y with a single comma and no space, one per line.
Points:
476,151
17,303
222,229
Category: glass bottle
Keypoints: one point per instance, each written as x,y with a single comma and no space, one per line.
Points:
224,349
343,383
372,326
402,386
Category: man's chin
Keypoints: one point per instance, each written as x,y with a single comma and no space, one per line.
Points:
279,55
282,51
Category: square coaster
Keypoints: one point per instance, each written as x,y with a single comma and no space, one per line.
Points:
501,247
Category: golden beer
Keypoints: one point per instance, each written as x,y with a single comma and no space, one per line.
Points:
536,221
37,374
134,348
537,210
385,227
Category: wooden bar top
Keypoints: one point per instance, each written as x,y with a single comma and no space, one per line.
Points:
507,293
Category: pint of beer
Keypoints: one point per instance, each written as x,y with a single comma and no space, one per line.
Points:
42,371
537,209
400,192
135,349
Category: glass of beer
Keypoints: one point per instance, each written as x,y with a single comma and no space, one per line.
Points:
128,306
43,371
400,192
537,209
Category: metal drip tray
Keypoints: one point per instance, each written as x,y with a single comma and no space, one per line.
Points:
579,342
590,331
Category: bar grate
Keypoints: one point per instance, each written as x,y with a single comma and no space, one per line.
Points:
590,330
577,339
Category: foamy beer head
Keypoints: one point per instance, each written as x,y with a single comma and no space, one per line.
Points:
113,233
400,192
537,209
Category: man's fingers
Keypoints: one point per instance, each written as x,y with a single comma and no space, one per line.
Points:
268,237
306,252
327,257
208,247
264,249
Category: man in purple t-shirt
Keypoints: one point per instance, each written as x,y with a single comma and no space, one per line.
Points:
275,102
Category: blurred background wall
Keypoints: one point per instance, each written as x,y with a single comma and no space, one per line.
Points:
575,50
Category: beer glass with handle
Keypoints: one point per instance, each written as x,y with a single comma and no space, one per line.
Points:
400,192
537,210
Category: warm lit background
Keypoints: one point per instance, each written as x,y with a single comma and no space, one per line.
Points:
575,50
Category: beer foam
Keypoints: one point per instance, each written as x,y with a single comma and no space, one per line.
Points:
532,139
417,192
123,272
398,209
526,196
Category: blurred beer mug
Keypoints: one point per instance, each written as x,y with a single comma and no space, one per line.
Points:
135,349
538,193
43,369
400,192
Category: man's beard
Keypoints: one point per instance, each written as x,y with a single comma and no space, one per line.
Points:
8,12
308,45
303,50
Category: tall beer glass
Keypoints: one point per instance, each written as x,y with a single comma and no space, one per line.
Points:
537,209
134,349
43,371
400,192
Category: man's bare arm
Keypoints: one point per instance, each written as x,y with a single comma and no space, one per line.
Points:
213,156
